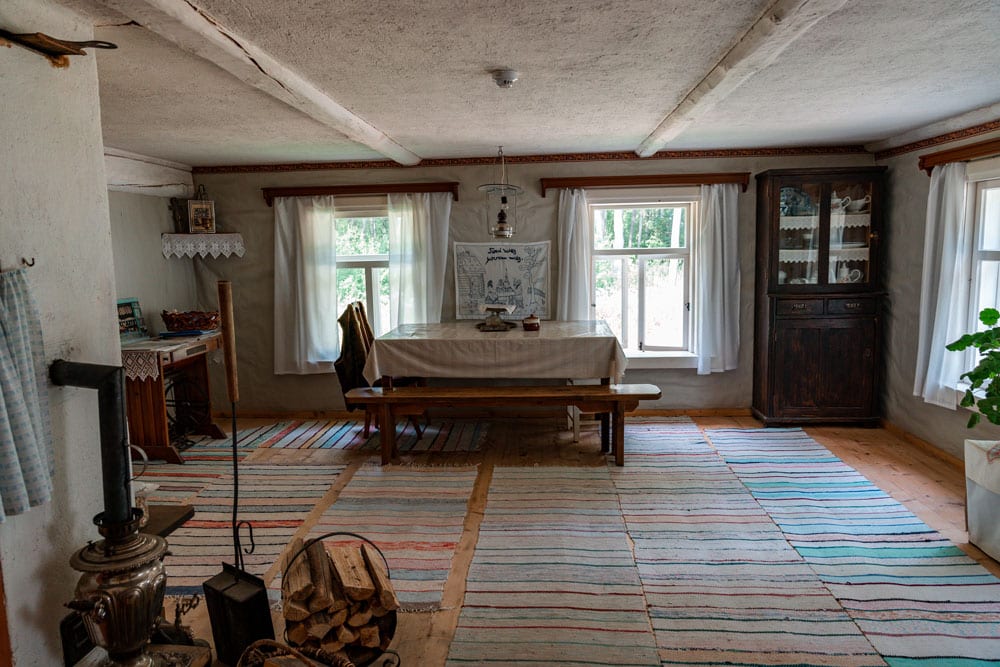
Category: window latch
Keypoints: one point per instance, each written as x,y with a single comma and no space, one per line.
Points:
687,306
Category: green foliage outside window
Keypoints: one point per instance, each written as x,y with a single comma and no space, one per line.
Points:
360,236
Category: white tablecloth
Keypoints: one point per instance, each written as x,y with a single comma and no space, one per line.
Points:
560,349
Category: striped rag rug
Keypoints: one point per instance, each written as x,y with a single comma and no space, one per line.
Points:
415,515
274,498
552,580
722,584
441,435
918,598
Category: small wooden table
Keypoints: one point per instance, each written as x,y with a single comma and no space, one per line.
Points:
147,364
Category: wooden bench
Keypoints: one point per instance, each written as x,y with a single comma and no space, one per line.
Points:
612,399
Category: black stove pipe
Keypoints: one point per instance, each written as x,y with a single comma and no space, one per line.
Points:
109,381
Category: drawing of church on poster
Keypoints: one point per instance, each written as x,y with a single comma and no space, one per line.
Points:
514,274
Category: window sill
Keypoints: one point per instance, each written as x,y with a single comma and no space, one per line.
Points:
640,360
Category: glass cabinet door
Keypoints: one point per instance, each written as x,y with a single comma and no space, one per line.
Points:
850,233
798,234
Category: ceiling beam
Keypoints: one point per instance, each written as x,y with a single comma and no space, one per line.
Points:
196,32
141,174
777,29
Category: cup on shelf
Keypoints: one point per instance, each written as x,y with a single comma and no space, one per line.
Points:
839,203
858,205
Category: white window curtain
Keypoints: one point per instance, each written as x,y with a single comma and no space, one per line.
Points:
306,333
418,256
717,286
944,286
574,244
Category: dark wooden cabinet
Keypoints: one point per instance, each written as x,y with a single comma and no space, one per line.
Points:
817,326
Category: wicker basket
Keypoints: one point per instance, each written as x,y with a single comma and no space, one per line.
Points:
191,320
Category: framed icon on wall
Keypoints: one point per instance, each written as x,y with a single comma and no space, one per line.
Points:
201,216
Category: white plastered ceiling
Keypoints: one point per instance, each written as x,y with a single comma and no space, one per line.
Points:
313,80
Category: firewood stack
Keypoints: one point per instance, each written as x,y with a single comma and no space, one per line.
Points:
338,599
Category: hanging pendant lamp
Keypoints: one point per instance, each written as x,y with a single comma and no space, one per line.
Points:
501,203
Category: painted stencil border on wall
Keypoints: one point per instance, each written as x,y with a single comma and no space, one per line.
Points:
515,274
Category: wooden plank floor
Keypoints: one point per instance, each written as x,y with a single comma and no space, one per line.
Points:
931,487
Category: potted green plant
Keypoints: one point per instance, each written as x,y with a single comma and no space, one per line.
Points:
982,457
983,392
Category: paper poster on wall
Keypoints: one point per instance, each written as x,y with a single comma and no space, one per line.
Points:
515,274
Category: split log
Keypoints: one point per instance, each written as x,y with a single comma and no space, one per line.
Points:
297,633
360,617
352,573
380,578
297,584
295,611
368,636
346,635
318,625
321,575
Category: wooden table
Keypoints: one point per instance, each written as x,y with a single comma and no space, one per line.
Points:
560,350
148,365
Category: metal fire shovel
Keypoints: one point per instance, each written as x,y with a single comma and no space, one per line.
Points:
237,600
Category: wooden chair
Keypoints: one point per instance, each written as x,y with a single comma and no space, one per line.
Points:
356,343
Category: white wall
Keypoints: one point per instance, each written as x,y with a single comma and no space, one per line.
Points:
53,207
141,270
906,221
240,207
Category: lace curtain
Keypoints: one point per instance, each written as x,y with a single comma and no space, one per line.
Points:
306,335
944,301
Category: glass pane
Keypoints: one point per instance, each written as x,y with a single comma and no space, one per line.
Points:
798,235
380,318
351,287
656,227
608,286
990,221
989,288
664,303
363,236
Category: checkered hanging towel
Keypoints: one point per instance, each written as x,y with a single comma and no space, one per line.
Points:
26,459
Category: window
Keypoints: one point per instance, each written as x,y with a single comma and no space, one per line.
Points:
642,280
363,258
984,201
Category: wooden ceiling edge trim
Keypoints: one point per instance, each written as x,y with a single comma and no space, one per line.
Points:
981,149
359,189
741,178
957,135
536,159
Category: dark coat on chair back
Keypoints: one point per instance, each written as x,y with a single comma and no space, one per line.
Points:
356,342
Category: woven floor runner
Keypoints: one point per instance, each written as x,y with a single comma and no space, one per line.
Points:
441,435
552,581
414,515
723,585
917,597
274,498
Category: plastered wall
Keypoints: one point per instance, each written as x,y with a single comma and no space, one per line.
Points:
53,207
906,222
241,207
141,270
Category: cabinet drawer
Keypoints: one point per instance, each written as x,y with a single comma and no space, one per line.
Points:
857,306
798,307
